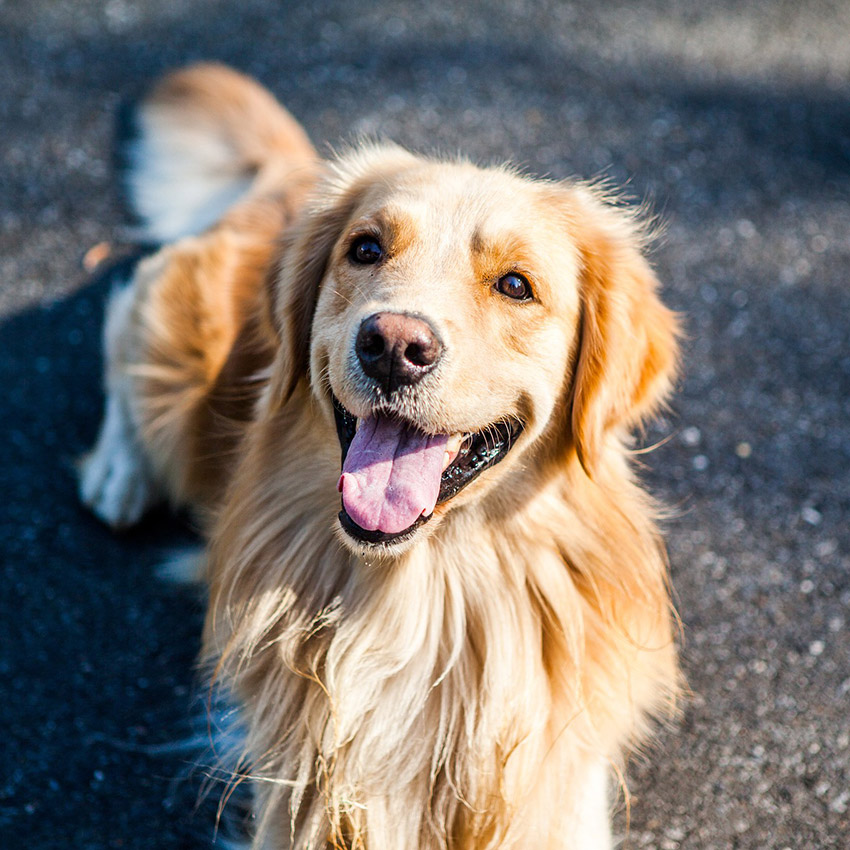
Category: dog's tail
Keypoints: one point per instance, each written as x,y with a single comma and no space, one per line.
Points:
200,140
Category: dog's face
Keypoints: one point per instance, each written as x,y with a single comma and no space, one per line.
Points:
449,330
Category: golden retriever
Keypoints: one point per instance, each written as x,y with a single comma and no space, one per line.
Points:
450,637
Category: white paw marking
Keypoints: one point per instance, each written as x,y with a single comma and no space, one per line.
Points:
116,481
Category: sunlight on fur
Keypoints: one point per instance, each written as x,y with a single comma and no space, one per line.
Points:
483,340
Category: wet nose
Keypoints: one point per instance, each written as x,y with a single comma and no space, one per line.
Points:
396,349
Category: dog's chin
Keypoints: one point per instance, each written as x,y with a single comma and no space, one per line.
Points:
478,451
379,544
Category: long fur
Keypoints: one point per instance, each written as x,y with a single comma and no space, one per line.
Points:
476,688
198,143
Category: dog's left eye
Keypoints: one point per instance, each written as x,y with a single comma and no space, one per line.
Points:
366,250
514,286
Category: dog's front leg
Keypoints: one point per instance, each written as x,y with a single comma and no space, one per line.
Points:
115,478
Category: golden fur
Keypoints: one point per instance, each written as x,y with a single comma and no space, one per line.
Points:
474,686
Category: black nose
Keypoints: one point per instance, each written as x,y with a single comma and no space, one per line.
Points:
397,349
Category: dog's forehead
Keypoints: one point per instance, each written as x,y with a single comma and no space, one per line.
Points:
458,194
473,210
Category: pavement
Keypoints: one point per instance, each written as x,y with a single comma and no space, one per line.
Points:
732,118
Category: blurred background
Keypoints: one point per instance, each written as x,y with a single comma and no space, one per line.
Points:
732,118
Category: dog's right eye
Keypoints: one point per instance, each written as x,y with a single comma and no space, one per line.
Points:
365,250
514,286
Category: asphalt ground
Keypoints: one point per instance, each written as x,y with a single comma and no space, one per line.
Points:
732,118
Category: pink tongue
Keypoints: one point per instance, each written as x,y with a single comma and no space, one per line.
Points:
391,475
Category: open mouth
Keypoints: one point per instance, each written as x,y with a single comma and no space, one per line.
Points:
393,474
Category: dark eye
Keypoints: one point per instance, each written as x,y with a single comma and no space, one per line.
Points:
366,250
514,286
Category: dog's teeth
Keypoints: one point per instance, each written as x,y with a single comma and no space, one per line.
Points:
452,448
453,445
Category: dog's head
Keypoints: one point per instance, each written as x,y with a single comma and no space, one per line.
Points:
450,318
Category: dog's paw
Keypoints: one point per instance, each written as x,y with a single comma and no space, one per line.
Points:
115,479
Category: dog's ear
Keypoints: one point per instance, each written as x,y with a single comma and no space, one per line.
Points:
294,283
627,350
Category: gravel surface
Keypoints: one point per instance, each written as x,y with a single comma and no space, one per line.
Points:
733,118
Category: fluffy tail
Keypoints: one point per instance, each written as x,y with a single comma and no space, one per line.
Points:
197,143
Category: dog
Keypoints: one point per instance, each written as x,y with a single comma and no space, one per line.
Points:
397,392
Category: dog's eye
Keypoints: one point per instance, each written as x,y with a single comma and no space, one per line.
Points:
514,286
366,250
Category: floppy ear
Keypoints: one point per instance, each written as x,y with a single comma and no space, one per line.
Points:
295,280
293,286
627,349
